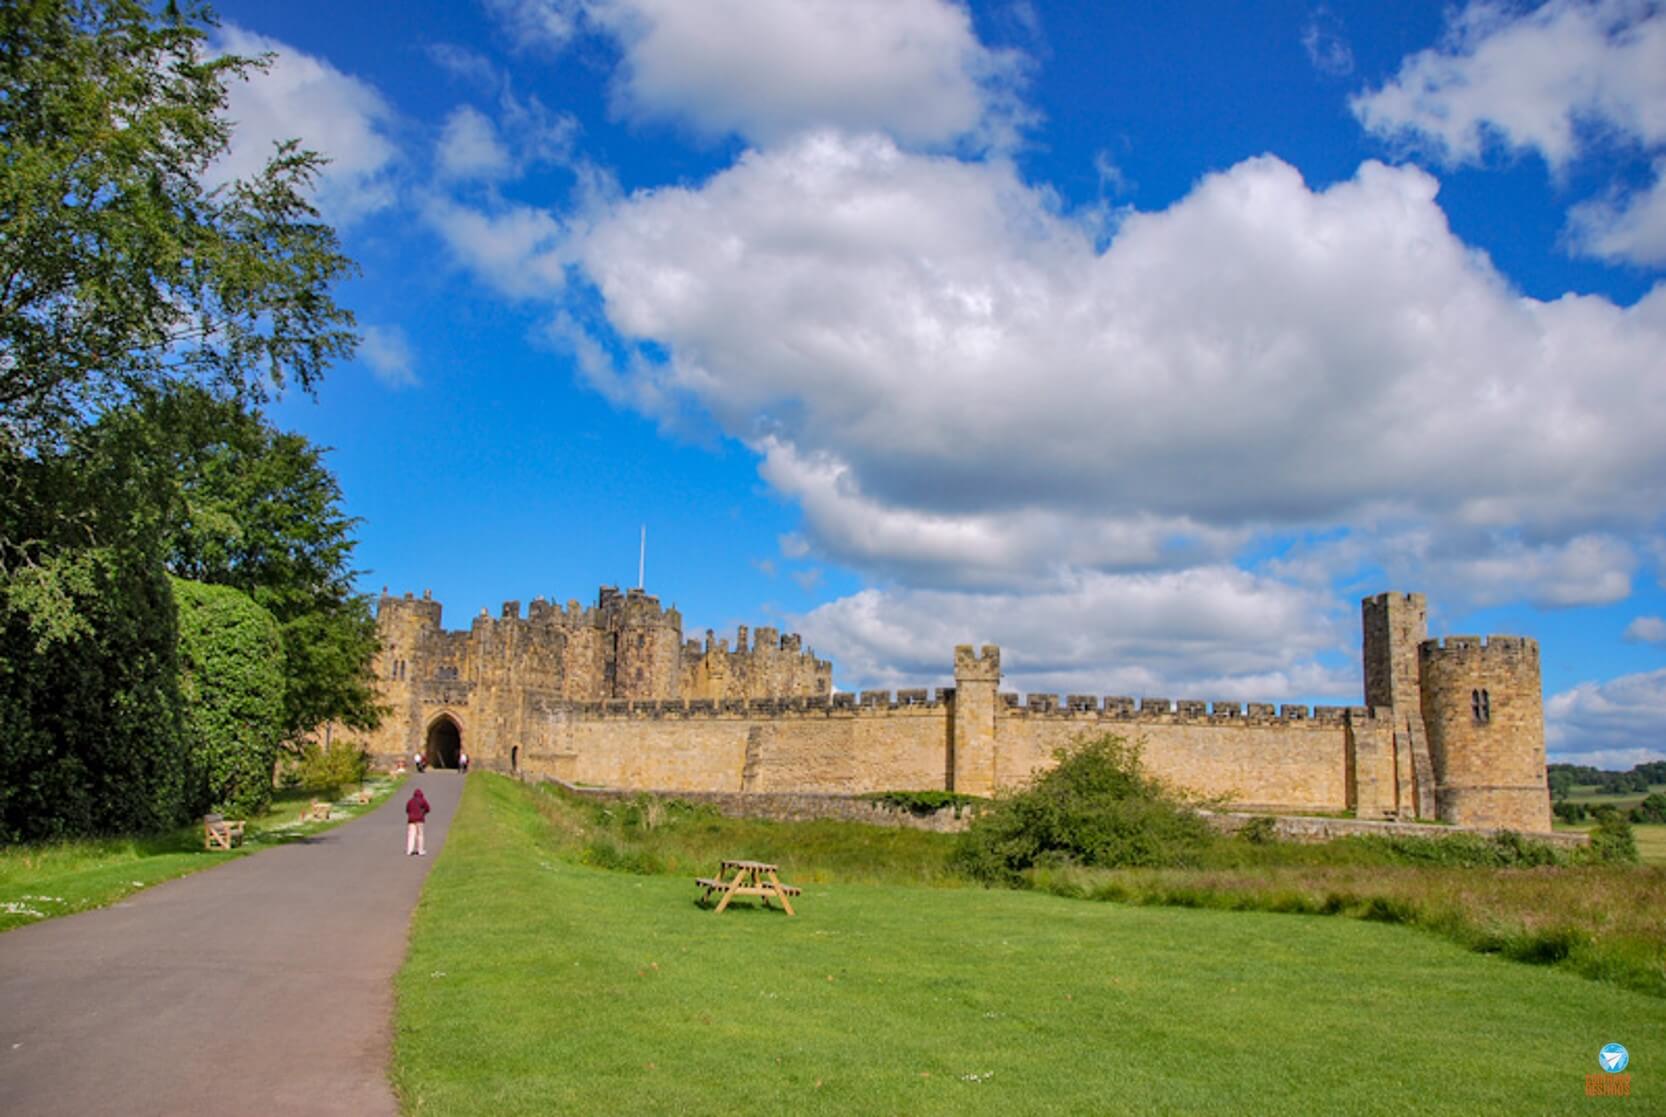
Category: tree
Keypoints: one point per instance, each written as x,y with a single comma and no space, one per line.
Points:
255,508
90,712
119,267
231,680
123,272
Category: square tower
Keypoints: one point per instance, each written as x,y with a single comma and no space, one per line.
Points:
1394,625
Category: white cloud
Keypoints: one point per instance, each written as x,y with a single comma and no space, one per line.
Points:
1646,630
960,388
1535,80
332,113
538,24
1616,723
469,147
515,249
1624,227
388,353
1561,79
1207,632
911,68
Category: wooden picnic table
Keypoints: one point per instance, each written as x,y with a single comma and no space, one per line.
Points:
751,878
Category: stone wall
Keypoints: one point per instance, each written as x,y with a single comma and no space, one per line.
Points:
1290,761
609,695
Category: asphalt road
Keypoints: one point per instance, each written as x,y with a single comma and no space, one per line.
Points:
261,986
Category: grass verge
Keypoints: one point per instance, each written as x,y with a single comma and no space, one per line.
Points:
537,985
59,878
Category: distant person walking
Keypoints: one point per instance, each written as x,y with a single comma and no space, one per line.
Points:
463,763
416,809
421,764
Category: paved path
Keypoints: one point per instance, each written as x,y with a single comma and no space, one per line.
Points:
262,986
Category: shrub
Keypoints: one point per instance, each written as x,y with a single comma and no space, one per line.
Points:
926,802
1569,811
1650,810
1258,831
1097,806
326,771
231,678
1612,842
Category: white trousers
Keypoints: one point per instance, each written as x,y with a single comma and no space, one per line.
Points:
413,838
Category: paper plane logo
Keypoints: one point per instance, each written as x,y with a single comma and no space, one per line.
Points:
1613,1058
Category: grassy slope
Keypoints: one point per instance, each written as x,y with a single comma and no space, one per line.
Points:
42,881
535,985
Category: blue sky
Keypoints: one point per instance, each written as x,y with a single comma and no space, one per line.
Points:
1143,340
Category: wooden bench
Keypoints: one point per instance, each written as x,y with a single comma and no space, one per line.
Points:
752,878
316,811
221,833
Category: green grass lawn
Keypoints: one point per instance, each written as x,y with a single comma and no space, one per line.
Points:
58,878
537,985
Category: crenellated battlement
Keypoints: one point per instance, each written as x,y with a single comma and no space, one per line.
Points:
1469,647
1120,708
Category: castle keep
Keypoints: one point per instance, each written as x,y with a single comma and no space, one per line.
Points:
611,695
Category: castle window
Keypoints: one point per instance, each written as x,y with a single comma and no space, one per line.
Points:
1480,704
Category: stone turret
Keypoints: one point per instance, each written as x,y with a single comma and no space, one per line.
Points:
1484,710
977,676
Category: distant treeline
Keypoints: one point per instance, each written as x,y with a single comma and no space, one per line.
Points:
1563,778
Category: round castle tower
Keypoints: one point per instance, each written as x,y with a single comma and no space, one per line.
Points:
1485,720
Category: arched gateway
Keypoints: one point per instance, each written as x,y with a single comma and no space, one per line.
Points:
444,743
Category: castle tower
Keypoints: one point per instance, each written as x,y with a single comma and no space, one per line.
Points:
976,679
648,651
1484,710
406,627
1394,626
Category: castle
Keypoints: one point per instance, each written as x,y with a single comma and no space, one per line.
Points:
611,695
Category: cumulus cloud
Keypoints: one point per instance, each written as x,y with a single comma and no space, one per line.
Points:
1646,630
1613,724
1533,80
1205,632
911,68
335,114
1559,79
957,384
388,353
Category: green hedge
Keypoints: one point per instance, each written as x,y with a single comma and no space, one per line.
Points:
231,677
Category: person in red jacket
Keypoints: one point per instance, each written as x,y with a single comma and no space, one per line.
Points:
416,809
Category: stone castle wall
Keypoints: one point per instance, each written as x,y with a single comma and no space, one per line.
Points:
596,697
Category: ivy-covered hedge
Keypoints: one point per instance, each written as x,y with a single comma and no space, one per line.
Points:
231,677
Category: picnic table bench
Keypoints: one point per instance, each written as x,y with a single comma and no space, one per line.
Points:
751,878
219,832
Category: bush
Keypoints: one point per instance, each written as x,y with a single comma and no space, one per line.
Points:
1650,810
1259,830
326,771
231,677
1096,807
1612,842
926,802
1569,811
